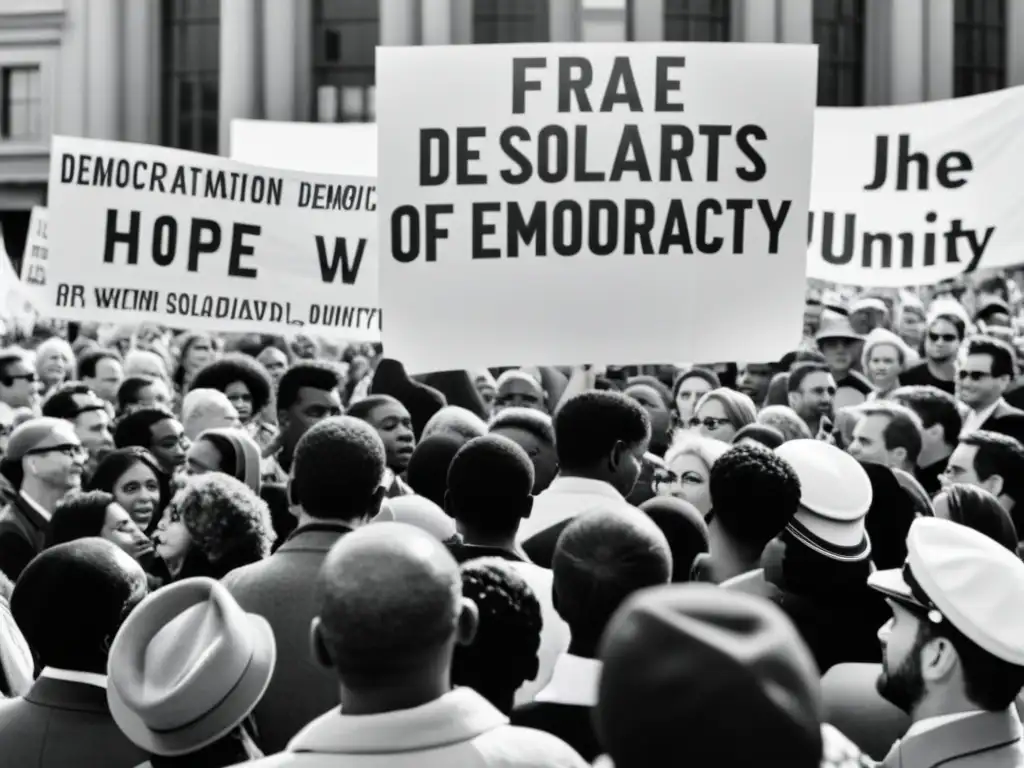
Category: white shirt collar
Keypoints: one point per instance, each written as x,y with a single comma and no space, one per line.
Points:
975,419
931,723
583,485
73,676
36,506
573,681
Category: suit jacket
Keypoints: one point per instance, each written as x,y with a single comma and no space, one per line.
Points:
280,588
986,740
61,724
22,536
569,722
1006,420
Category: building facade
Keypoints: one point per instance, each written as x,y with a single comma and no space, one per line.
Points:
176,72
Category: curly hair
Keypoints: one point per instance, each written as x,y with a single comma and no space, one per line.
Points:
509,629
222,373
754,494
225,519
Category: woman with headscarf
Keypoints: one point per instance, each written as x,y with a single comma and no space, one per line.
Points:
226,450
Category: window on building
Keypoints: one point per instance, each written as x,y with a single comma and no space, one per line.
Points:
701,21
511,21
345,34
839,33
979,40
190,70
21,105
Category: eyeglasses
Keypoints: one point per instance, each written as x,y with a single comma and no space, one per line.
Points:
708,422
949,338
69,450
973,375
8,381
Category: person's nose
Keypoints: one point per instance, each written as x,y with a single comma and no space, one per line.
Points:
884,630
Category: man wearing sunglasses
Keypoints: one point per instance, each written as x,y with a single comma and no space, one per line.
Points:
952,653
985,368
44,461
18,387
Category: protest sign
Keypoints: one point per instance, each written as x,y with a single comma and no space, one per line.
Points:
142,233
35,259
914,194
580,203
345,149
16,308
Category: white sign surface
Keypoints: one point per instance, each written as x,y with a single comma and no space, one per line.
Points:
914,194
141,233
345,149
584,202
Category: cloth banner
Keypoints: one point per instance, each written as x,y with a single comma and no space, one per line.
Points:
914,194
142,233
582,202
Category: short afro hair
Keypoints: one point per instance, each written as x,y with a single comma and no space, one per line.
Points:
235,366
89,360
317,484
537,423
490,482
427,472
136,427
589,425
754,494
226,519
315,374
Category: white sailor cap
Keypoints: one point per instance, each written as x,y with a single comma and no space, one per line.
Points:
835,495
961,575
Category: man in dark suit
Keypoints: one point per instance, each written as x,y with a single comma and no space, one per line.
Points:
601,558
330,504
44,460
985,368
69,603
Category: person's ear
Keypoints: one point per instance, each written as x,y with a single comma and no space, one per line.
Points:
793,398
615,457
994,485
938,659
321,656
900,454
469,620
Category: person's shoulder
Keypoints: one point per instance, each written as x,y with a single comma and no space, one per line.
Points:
528,747
751,582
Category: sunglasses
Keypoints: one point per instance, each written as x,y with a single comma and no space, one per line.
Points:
69,450
8,381
708,422
946,337
973,375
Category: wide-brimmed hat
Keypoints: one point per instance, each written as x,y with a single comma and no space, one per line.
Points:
187,667
838,327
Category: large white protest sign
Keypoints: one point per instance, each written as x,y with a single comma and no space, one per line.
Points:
914,194
346,149
586,203
142,233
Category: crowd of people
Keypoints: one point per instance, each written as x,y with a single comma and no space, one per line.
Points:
218,549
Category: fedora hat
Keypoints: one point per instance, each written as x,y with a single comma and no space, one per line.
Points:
187,666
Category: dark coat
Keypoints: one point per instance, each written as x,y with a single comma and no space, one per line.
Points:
1006,420
569,722
22,536
985,740
60,724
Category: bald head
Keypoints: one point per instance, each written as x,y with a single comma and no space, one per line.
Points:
390,599
204,409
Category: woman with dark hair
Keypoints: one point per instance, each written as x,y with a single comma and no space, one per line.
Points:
248,386
978,509
690,386
96,513
230,451
213,525
133,476
197,350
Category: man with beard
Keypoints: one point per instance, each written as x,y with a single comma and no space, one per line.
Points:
952,656
812,391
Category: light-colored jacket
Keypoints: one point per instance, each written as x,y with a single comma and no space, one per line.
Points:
459,730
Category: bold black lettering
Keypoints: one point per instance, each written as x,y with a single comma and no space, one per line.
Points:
520,85
429,139
513,153
639,218
608,229
739,210
950,163
435,233
339,259
567,236
556,134
527,231
714,134
663,86
676,147
67,169
705,242
240,249
630,156
580,166
481,229
621,87
464,155
130,238
405,217
575,75
774,221
676,233
197,244
744,136
165,240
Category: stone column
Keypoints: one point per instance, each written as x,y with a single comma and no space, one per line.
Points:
436,21
564,20
648,22
142,85
280,60
754,21
1014,42
239,70
795,21
103,69
399,20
